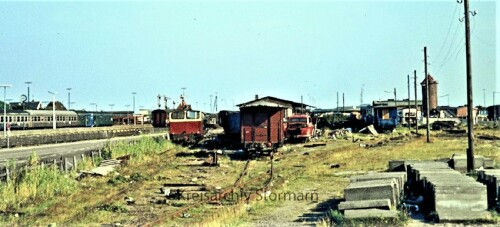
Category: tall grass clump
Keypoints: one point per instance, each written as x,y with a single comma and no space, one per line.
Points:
33,183
144,148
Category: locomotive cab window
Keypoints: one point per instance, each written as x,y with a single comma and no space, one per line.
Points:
298,120
177,115
192,114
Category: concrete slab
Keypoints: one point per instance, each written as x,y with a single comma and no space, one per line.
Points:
370,213
370,190
459,162
397,165
488,163
491,179
453,215
399,176
384,204
458,201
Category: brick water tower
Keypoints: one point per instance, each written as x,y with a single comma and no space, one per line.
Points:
433,101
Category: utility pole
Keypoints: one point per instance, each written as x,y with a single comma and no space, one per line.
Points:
427,112
484,98
416,104
5,86
133,108
494,110
28,83
337,102
159,101
343,103
215,102
53,109
395,98
69,98
211,110
362,90
470,105
301,104
409,107
128,118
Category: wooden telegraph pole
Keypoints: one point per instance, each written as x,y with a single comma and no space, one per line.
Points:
409,107
427,112
416,105
470,105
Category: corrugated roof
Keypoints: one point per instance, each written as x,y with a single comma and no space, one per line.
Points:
270,101
392,103
265,103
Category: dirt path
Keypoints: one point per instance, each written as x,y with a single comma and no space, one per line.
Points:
297,212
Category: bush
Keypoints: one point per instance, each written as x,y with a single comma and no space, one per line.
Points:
144,148
33,184
117,180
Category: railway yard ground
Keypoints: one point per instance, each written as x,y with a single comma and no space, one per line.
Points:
162,184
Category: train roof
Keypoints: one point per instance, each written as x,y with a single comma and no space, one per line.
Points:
49,112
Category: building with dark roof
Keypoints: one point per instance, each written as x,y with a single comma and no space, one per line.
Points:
27,105
269,101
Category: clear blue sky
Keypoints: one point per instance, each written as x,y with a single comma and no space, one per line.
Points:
106,50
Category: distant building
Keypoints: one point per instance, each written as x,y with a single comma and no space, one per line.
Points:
26,105
462,113
7,106
493,112
346,111
482,114
447,111
59,106
389,113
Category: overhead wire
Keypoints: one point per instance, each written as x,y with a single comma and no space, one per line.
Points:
472,32
448,32
451,47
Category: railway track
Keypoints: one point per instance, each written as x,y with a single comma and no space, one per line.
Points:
241,184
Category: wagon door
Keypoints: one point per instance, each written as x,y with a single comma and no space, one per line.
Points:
261,127
276,134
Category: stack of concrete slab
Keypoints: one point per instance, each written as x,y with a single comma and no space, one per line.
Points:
491,178
459,162
373,195
452,195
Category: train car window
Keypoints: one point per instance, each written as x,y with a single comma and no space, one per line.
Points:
192,114
178,115
385,114
10,119
1,119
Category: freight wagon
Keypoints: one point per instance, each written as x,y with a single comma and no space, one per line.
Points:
262,126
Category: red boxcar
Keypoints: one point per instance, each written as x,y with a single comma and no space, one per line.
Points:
159,118
262,127
186,125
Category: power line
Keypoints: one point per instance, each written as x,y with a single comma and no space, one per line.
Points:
462,48
448,33
452,44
